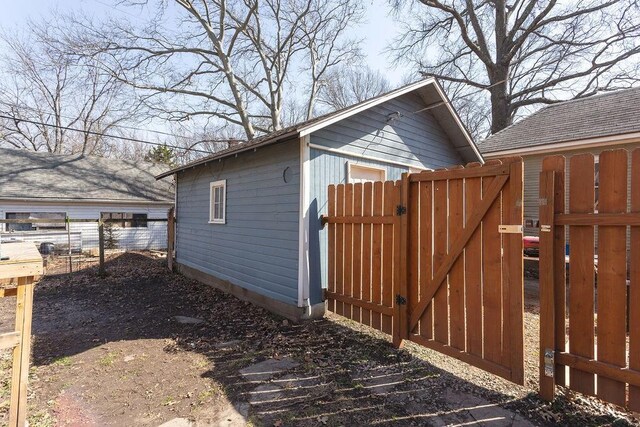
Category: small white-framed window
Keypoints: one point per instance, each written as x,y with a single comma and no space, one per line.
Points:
217,202
362,173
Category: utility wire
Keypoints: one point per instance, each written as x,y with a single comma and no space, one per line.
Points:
106,135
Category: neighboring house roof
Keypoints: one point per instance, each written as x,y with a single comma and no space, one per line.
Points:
608,114
28,175
433,95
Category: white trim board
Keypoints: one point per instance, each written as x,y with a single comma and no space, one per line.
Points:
595,143
365,157
303,222
85,201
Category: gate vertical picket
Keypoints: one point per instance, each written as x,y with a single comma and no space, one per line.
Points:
357,250
366,252
426,253
581,274
473,269
546,277
331,241
492,271
456,276
612,273
390,202
340,249
413,276
440,299
376,321
634,285
401,247
348,250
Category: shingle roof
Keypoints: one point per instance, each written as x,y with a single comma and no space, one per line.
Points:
294,130
36,175
611,113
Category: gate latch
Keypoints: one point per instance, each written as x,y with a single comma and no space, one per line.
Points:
549,362
401,210
400,300
510,229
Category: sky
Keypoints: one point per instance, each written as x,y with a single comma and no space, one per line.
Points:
377,31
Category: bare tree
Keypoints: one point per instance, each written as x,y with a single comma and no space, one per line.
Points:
45,93
226,61
523,52
349,85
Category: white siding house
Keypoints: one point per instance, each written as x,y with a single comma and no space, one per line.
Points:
44,185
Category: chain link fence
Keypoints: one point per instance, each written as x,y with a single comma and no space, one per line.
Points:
73,244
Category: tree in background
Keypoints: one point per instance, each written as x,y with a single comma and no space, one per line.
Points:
234,62
522,52
161,154
349,85
44,90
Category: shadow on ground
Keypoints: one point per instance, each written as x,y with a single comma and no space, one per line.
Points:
109,351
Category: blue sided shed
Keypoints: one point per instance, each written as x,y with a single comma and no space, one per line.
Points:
248,218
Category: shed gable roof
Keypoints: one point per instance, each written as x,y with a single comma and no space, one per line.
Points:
433,95
46,176
612,113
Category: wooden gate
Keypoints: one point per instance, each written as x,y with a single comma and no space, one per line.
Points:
598,337
435,258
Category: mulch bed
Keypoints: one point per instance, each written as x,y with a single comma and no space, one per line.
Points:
108,352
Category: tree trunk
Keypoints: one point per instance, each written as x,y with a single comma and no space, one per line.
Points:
499,75
500,117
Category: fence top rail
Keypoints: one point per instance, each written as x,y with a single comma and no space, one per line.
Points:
467,172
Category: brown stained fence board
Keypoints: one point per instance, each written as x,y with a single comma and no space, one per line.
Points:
357,250
634,283
493,169
457,274
546,285
602,369
370,306
331,242
366,252
505,219
473,270
348,250
514,281
491,273
401,245
581,275
391,200
376,270
440,298
612,274
426,258
340,255
556,164
613,219
414,245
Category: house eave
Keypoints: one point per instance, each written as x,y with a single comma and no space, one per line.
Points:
51,200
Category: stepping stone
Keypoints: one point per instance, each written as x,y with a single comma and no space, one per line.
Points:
264,371
265,393
177,422
187,320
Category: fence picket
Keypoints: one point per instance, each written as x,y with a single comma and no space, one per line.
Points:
377,283
366,251
414,245
357,250
581,276
391,200
340,264
456,276
473,269
426,254
440,300
634,285
612,273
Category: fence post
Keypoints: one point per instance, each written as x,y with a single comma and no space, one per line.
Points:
101,270
401,326
546,277
170,237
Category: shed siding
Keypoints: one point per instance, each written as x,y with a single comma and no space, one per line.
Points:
257,248
85,235
414,138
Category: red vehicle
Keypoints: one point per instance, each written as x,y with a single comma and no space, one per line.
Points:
531,246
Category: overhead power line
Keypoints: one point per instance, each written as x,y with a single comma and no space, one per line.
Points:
106,135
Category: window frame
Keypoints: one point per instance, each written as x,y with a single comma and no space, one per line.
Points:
350,165
213,185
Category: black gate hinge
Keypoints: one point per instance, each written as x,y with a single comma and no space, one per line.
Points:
400,300
401,210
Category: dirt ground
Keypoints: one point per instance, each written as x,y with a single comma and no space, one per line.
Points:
108,351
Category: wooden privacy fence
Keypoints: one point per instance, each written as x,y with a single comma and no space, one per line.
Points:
435,258
591,324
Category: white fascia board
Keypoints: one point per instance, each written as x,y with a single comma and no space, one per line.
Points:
306,130
604,141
